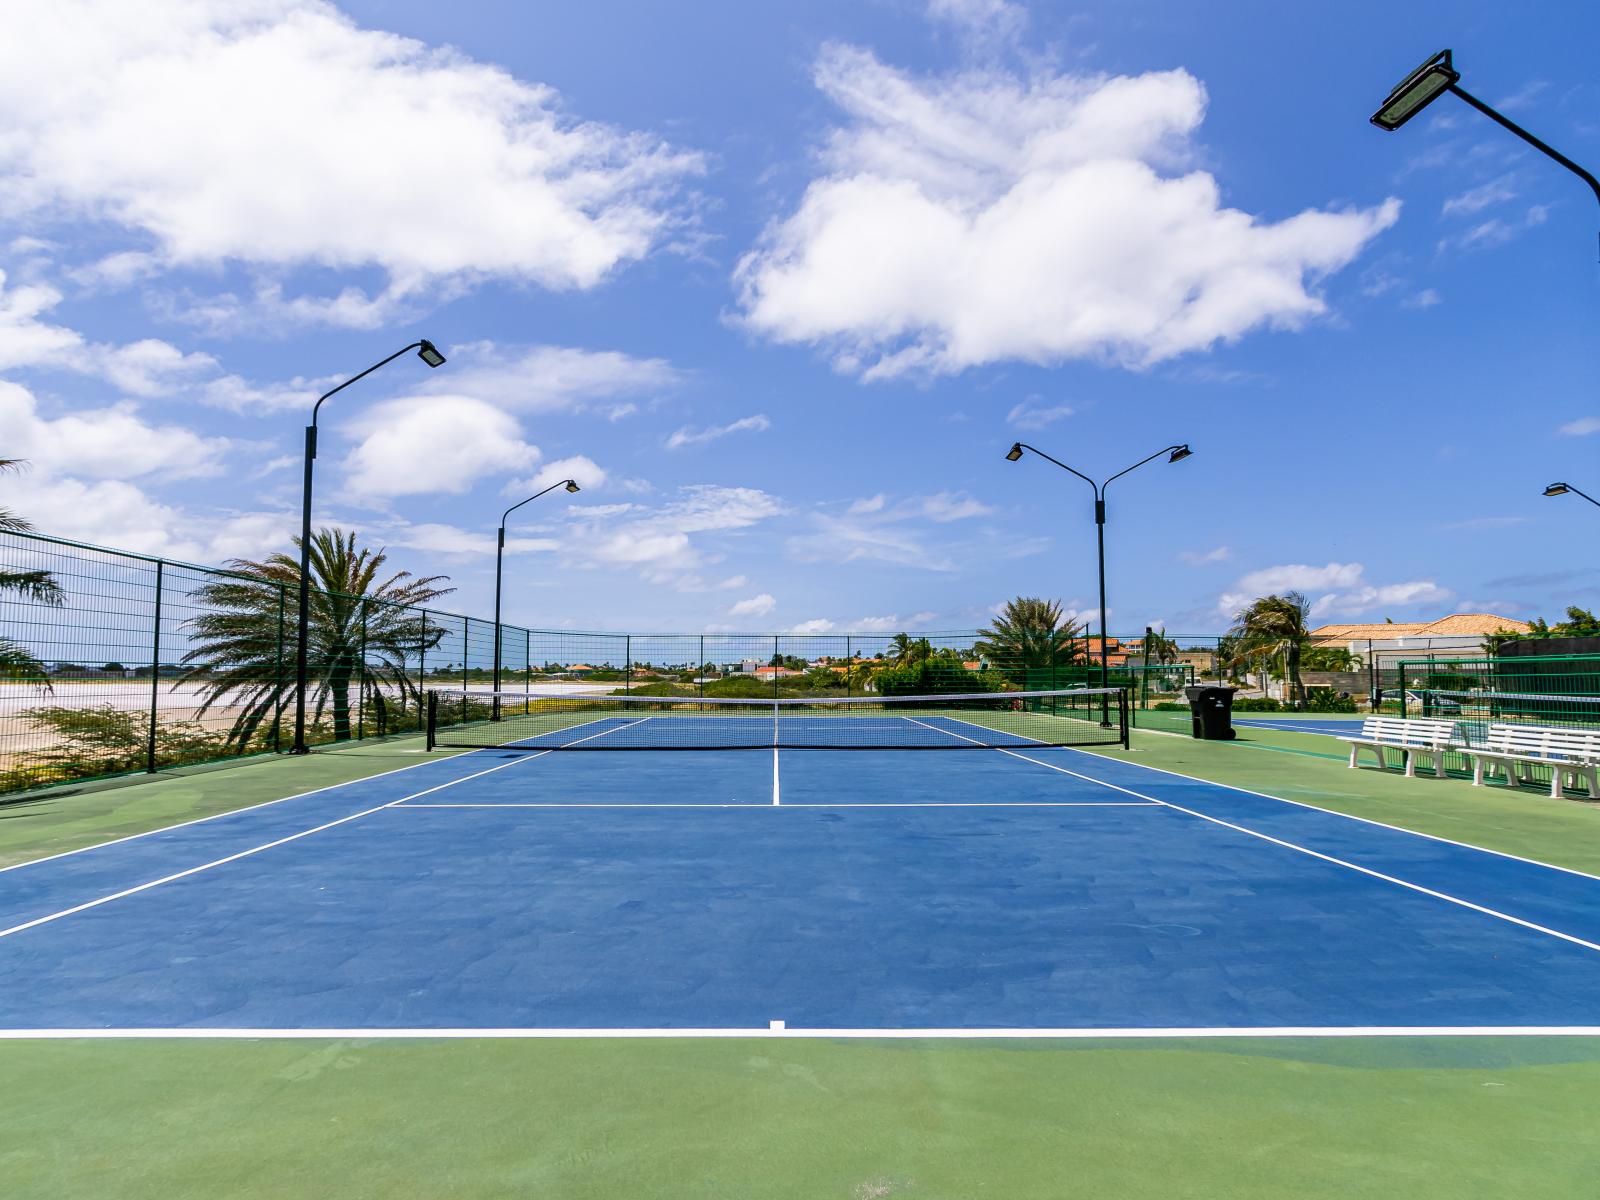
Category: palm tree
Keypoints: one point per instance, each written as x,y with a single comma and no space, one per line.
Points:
1031,632
1274,626
1159,648
359,627
16,662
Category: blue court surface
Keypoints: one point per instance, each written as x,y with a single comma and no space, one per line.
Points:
1331,726
1050,891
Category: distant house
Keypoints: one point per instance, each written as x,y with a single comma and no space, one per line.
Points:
1459,634
580,669
776,672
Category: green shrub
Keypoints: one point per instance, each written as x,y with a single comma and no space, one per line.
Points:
1257,704
934,679
1326,700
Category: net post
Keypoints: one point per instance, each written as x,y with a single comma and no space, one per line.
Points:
1125,721
433,718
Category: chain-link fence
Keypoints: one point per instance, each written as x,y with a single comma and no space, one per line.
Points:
115,662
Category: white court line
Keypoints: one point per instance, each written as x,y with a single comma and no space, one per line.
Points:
1328,858
234,812
176,875
812,804
1333,812
895,1033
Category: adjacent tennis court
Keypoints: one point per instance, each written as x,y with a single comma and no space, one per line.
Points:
1046,890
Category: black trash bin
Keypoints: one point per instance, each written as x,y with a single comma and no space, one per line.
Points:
1212,711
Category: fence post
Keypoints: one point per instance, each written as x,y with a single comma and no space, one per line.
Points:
700,668
466,643
775,667
849,664
277,680
627,663
361,678
155,676
422,671
527,662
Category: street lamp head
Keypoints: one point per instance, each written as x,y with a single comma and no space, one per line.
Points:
1179,453
429,353
1557,489
572,485
1416,91
1015,452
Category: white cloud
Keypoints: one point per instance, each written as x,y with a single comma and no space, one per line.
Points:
945,507
873,529
144,368
1031,416
1426,298
103,443
531,379
434,444
117,513
890,624
815,625
1582,427
1496,191
978,218
1336,589
581,469
755,606
664,543
693,437
278,133
984,24
1201,558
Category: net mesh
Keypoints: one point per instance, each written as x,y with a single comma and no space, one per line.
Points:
990,720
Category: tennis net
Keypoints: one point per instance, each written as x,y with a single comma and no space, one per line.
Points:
990,720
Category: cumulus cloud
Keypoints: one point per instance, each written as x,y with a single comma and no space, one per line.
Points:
1335,589
1582,427
278,133
144,368
755,606
437,444
815,625
981,217
580,468
103,443
118,513
694,437
535,379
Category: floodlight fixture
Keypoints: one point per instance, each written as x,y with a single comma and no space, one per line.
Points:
572,486
1561,489
1179,453
1437,76
1416,91
429,353
1015,452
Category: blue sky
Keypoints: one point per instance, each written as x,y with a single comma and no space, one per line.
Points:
780,284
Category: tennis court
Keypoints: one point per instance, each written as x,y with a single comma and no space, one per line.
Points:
1043,891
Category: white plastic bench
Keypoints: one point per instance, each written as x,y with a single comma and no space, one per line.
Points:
1425,736
1571,754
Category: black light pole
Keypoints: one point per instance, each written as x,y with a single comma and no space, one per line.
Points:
1175,453
499,556
1561,489
428,354
1437,76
